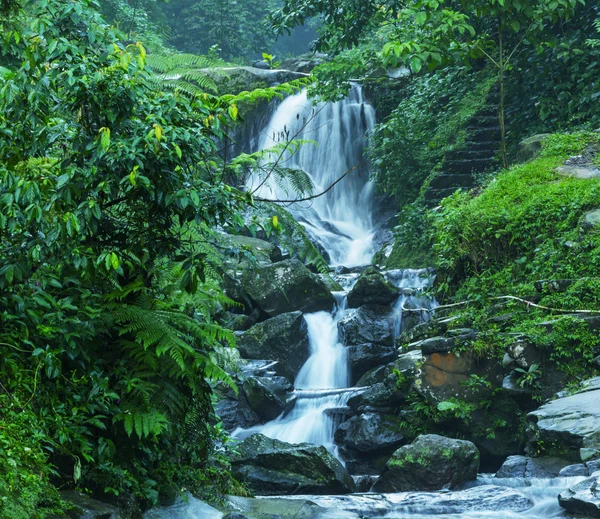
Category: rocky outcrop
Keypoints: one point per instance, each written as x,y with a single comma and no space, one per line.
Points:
286,286
363,357
372,288
283,339
272,467
431,462
267,396
233,80
367,324
444,375
583,498
524,467
569,426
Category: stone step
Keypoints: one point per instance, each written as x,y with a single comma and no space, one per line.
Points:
484,121
484,135
468,166
445,181
435,195
470,154
492,147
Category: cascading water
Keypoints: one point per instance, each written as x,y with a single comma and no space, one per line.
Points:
340,220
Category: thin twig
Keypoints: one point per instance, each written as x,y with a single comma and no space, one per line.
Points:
308,197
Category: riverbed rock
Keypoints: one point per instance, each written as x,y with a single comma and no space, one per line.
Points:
283,338
273,467
286,286
369,323
370,432
568,427
580,469
364,357
273,508
372,288
486,498
262,250
405,364
582,498
430,462
267,396
525,467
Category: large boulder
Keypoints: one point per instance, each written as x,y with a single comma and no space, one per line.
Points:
286,286
369,323
568,427
524,467
363,357
431,462
582,498
283,338
267,396
405,364
370,433
372,288
273,467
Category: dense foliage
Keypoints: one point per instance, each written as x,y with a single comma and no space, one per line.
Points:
112,188
526,226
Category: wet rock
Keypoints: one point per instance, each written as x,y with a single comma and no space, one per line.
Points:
580,469
272,467
405,364
286,286
431,462
486,498
233,80
582,498
369,323
525,467
234,411
369,433
364,357
262,250
372,288
84,507
569,426
273,508
386,395
267,396
240,322
363,483
283,338
235,291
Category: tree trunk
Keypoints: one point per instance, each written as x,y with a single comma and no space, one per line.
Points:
502,67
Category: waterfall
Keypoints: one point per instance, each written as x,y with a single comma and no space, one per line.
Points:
340,220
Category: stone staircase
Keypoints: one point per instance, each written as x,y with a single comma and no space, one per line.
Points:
479,154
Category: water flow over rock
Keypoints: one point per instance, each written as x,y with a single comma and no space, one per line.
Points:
341,220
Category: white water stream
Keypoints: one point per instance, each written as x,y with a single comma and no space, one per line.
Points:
341,220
